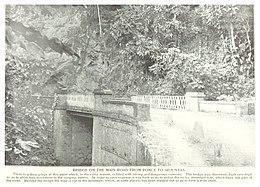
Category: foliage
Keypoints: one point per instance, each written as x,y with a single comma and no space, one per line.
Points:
135,38
148,49
169,48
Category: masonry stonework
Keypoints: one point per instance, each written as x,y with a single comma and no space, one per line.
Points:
193,100
62,137
103,136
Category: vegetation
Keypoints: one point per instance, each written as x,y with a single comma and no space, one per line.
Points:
155,49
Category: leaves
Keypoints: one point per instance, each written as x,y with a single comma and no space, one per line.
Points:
175,47
147,49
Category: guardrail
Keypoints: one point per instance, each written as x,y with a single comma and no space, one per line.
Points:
158,101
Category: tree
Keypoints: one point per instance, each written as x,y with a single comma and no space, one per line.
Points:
31,58
149,49
157,43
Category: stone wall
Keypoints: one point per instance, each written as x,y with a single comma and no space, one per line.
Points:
62,137
115,131
143,157
114,142
139,111
195,102
239,108
109,139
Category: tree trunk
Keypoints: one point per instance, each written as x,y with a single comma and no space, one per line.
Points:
233,45
99,21
247,34
200,46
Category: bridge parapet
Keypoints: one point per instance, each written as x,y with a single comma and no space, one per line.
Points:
140,111
85,101
159,101
103,100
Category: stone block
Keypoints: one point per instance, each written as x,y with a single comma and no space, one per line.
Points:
251,108
241,109
143,157
197,132
142,112
193,99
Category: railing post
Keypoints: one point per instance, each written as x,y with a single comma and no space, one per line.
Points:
62,101
100,95
193,100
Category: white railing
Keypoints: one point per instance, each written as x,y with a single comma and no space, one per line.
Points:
86,101
155,101
158,101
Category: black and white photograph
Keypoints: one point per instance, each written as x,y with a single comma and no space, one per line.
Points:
130,85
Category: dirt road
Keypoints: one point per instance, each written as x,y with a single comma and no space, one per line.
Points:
223,140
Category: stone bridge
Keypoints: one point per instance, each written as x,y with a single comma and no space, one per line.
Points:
99,130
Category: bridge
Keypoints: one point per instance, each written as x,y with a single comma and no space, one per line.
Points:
101,130
98,130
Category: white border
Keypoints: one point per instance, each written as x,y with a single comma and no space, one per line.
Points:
2,78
